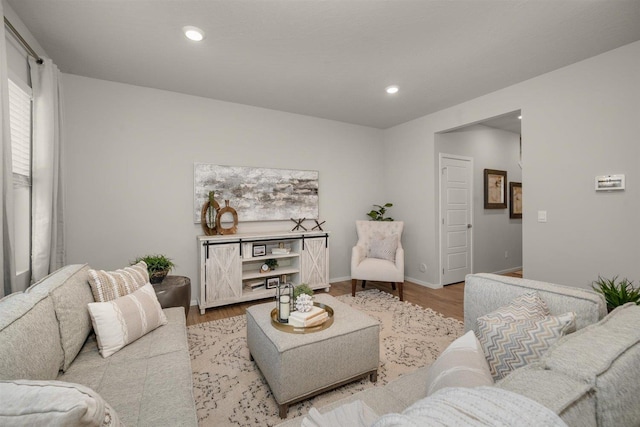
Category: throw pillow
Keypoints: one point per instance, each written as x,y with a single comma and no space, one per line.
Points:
524,307
26,402
109,285
511,344
384,248
462,364
125,319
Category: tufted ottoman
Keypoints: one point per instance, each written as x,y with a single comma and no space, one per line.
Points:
298,366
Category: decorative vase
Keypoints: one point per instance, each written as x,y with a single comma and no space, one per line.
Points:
208,215
227,209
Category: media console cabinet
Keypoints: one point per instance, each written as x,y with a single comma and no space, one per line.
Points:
231,266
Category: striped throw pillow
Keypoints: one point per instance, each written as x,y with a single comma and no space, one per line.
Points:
125,319
520,333
462,364
109,285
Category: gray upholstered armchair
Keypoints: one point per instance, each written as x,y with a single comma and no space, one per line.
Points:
378,255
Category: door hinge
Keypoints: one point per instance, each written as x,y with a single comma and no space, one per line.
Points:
443,271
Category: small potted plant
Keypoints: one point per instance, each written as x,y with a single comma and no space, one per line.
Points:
302,288
272,263
616,294
378,215
158,266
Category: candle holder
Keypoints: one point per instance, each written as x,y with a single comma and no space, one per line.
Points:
284,301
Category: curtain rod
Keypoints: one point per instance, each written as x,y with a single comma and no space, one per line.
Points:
22,41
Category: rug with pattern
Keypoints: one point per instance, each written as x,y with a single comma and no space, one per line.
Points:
230,391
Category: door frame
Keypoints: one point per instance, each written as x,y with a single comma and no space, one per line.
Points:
440,209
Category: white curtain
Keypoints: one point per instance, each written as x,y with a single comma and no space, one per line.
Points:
47,246
8,267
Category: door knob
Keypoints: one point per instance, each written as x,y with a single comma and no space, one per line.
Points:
469,225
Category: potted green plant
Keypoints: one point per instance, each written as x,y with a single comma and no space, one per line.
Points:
616,294
158,266
271,263
302,288
378,215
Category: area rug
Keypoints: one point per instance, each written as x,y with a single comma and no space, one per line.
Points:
230,391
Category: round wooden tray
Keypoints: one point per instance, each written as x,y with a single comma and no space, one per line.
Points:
285,327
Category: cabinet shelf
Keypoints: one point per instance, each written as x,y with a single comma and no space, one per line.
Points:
273,273
224,268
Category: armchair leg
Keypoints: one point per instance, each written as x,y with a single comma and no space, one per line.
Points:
353,287
393,285
400,291
364,282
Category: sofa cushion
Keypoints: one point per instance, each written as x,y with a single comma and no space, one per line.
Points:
26,402
462,364
485,292
573,400
479,406
70,292
109,285
39,357
125,319
605,355
519,333
155,371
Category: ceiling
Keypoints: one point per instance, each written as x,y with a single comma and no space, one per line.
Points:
330,59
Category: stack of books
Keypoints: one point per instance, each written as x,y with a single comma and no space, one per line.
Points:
255,285
280,251
317,316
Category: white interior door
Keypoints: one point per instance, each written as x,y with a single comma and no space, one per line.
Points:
456,213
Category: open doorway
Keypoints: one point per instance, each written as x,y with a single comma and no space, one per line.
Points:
494,236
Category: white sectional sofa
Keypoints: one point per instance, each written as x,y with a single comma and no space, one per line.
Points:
588,378
46,338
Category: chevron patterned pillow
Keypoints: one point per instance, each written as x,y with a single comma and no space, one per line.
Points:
520,333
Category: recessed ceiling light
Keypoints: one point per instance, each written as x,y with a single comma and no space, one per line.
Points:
193,33
391,89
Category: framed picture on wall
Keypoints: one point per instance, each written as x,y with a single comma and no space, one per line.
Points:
495,189
515,200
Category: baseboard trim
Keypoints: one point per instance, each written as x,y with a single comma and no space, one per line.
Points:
421,283
508,270
339,279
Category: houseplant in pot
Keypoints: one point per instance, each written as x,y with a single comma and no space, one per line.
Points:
615,292
158,266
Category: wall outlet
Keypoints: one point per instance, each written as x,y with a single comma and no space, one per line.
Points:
423,267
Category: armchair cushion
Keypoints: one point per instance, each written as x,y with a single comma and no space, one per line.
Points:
384,248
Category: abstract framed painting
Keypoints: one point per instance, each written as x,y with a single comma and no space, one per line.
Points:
256,193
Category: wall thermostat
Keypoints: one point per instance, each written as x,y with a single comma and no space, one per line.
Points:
609,182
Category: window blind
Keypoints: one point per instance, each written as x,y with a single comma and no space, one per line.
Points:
20,125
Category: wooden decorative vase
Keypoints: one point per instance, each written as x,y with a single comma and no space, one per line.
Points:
227,209
208,215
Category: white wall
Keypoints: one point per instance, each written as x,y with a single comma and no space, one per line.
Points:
578,122
128,161
494,233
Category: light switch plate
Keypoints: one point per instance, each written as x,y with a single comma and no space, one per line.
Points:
542,216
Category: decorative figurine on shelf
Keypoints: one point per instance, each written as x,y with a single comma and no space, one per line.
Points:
318,225
299,225
208,215
284,299
304,303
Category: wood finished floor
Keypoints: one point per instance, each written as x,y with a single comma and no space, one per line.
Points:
447,300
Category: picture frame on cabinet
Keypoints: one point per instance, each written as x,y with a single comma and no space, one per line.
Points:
273,282
259,250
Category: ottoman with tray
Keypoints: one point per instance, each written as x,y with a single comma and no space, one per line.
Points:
300,365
